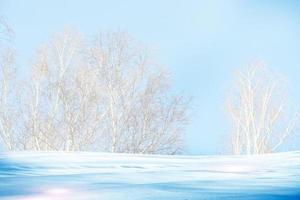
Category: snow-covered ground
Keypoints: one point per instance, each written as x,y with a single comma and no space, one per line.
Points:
104,176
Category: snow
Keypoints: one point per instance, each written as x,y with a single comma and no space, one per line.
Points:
105,176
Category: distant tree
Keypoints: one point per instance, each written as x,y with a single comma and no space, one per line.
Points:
7,83
257,108
6,32
7,113
106,94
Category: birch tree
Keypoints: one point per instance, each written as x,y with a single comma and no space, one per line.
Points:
7,113
141,115
257,108
48,124
6,32
7,83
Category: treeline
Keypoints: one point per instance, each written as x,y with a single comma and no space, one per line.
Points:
108,93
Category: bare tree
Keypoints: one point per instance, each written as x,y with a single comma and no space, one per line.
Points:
141,115
49,94
7,82
257,109
7,113
6,32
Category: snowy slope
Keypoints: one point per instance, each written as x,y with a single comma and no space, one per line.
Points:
103,176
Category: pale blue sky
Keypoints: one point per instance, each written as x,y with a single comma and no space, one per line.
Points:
202,42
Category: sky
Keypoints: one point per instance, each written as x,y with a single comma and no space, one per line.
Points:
202,42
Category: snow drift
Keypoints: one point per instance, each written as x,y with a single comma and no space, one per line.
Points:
104,176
